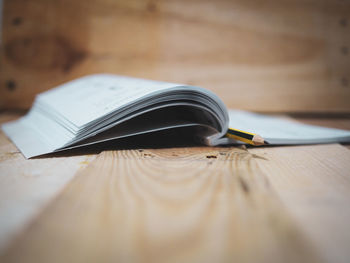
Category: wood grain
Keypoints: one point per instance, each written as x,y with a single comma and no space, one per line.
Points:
167,205
313,182
277,56
26,186
271,204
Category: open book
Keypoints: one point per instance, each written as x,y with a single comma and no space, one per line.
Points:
102,107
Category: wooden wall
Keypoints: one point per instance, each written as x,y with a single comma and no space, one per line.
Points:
272,55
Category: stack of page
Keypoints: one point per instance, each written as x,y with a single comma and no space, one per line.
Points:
103,107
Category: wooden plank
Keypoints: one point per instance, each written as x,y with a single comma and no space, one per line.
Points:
280,56
313,182
26,186
166,205
191,204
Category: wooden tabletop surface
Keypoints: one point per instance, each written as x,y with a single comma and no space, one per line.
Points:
201,204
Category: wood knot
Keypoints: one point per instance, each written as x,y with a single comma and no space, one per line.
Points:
344,50
148,155
343,22
151,7
44,52
244,185
11,85
344,82
17,21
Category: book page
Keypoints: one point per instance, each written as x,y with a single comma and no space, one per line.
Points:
87,99
276,130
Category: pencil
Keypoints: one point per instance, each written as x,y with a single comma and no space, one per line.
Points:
247,137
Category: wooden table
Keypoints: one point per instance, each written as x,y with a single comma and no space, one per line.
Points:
237,204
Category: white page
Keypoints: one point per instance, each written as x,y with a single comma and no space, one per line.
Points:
35,134
89,105
281,131
89,98
78,102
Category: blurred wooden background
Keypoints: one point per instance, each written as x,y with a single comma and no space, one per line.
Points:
286,56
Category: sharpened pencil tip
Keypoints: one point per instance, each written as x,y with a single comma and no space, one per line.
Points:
258,140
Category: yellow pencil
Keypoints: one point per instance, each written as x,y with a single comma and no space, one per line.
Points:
247,137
